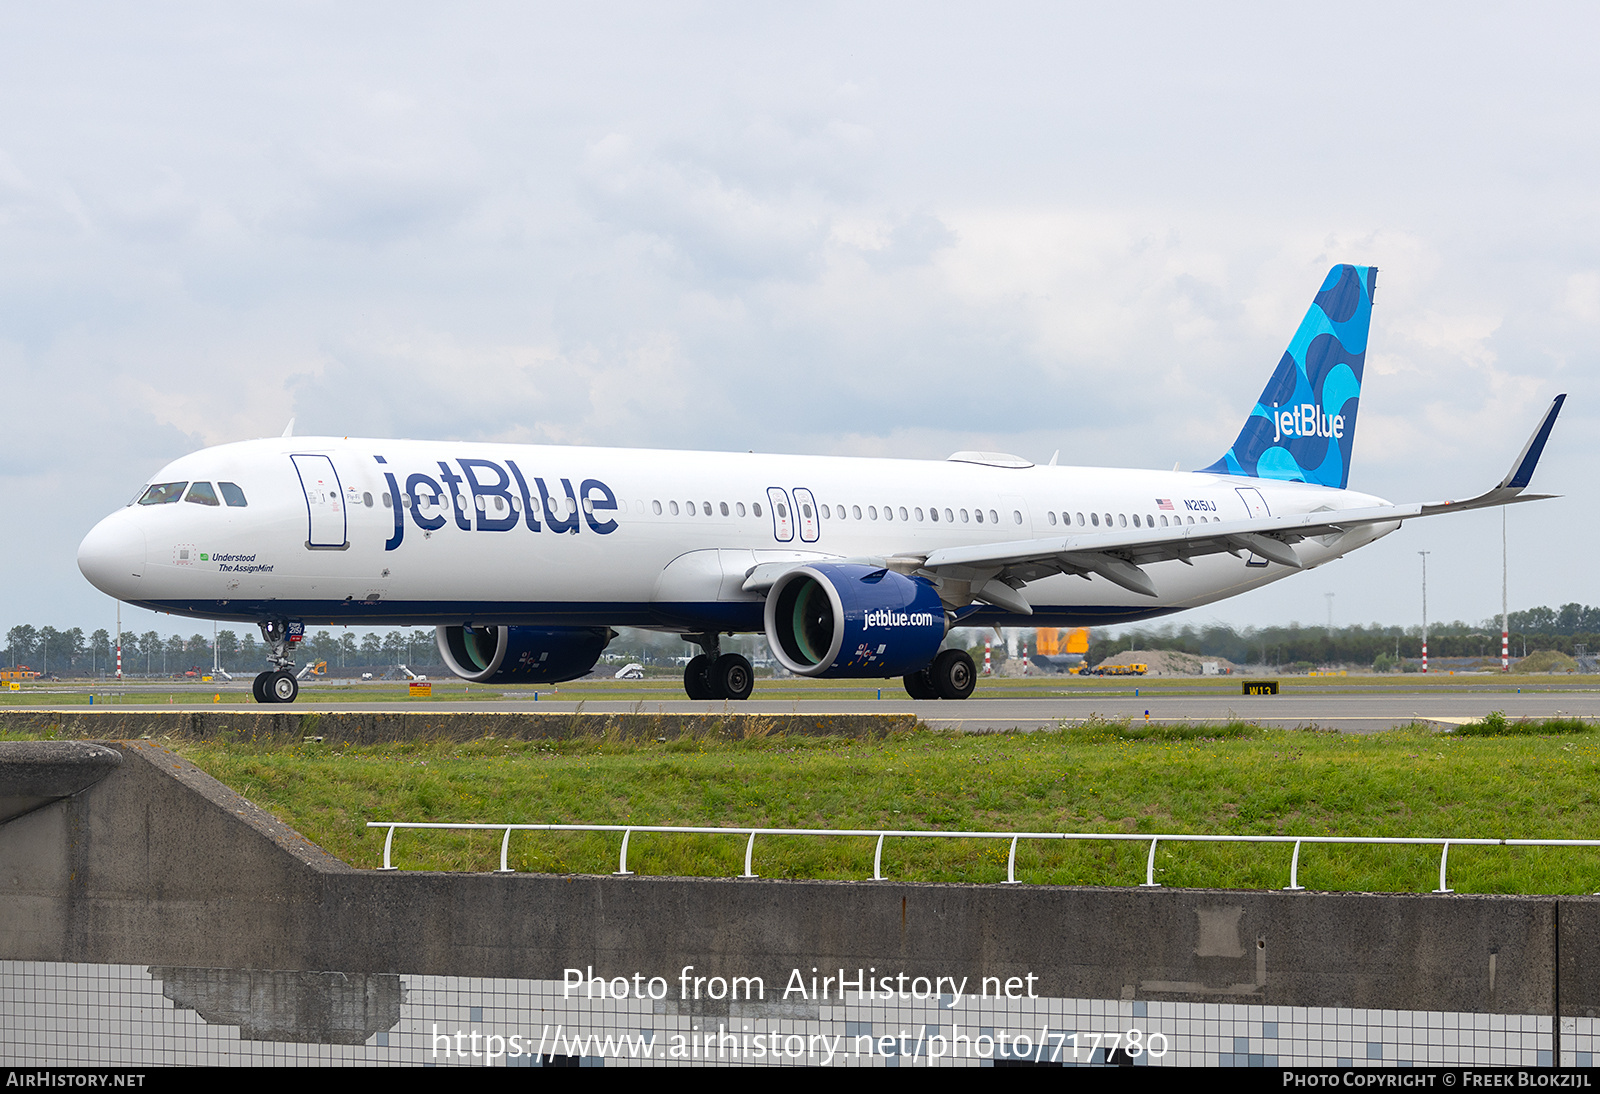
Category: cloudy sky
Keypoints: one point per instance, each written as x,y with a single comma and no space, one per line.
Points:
847,229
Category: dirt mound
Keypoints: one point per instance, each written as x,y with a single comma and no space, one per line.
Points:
1546,661
1169,662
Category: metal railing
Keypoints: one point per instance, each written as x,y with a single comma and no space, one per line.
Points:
1150,882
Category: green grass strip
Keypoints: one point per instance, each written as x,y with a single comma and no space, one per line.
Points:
1095,777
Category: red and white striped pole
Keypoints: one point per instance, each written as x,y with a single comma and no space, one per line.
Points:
1424,555
988,670
1505,619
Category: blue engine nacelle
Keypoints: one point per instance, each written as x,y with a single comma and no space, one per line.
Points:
522,655
849,619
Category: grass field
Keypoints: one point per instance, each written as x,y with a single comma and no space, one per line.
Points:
1519,781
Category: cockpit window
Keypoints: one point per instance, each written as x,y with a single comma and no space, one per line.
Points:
202,494
232,494
163,493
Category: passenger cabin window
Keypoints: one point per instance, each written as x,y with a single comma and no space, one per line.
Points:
235,497
163,493
202,494
755,507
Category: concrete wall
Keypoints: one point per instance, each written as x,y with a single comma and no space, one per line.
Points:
158,864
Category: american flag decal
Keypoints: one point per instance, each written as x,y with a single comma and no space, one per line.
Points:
1163,503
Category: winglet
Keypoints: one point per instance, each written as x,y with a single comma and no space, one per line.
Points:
1510,488
1521,472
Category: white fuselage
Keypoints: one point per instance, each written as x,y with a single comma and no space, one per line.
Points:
659,539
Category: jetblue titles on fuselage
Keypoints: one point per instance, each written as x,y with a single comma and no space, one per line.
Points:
500,500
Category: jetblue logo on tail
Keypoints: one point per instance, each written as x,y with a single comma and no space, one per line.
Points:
1306,420
1303,427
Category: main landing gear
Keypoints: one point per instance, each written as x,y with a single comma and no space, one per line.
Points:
717,675
278,684
951,676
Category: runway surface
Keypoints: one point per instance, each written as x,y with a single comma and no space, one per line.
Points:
1344,712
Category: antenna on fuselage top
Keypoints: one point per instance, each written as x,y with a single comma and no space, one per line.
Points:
1053,456
288,430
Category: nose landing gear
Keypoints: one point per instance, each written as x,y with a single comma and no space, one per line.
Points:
278,685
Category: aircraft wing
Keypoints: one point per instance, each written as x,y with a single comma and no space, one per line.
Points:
993,573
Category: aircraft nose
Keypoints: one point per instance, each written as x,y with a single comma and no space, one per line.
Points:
112,556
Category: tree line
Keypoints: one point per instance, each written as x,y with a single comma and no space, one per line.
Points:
72,653
1535,629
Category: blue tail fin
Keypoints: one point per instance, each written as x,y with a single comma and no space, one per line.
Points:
1304,426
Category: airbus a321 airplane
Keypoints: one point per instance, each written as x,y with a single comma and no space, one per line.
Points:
525,557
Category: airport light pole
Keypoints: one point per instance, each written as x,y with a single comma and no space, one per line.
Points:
1424,555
